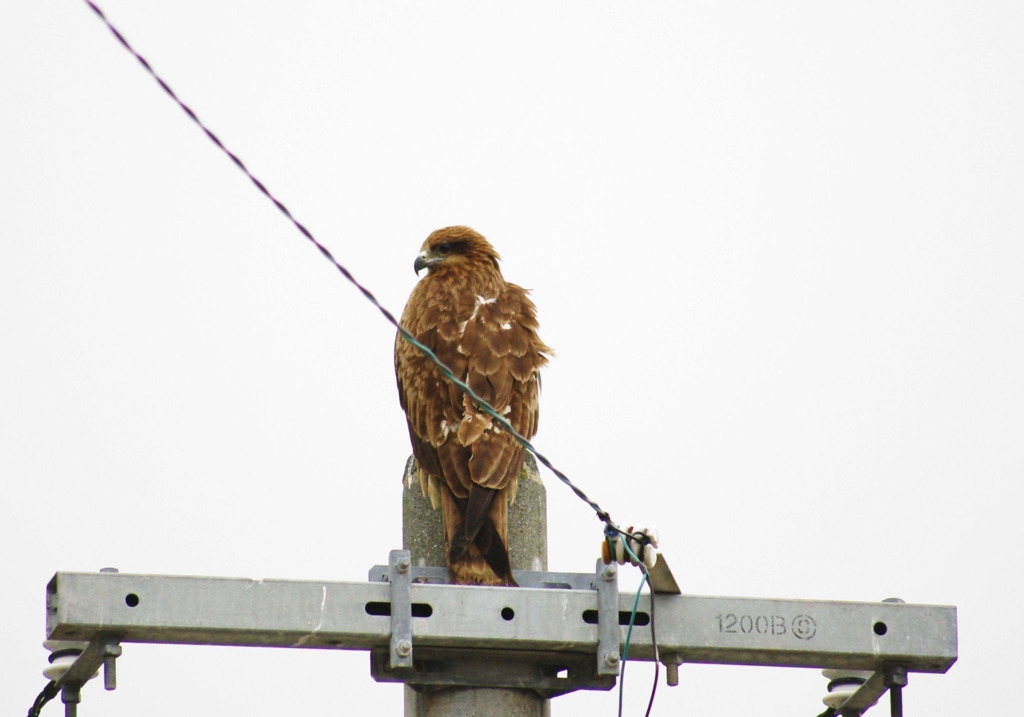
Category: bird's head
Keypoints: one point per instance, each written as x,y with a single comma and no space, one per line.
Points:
453,247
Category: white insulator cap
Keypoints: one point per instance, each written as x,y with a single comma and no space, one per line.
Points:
650,556
645,550
634,548
842,685
63,655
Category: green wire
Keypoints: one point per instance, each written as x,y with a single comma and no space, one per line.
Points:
632,619
636,601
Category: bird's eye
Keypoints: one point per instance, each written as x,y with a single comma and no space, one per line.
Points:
444,248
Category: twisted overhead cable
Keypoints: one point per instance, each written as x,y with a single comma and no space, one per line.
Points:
462,386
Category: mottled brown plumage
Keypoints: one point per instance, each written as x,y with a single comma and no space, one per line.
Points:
485,330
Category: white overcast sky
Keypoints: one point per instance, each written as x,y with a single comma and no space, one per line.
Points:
778,247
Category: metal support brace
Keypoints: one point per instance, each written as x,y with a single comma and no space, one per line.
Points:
549,674
433,575
101,652
891,678
607,586
399,577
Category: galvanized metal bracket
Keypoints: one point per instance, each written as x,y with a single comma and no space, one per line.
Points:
891,678
549,674
663,582
399,578
433,575
607,585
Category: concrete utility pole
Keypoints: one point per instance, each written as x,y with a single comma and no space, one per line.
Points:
423,536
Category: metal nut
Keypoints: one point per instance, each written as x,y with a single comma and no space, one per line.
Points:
403,648
611,659
609,572
403,564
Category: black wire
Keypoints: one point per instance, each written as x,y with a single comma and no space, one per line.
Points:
48,693
602,515
654,642
629,634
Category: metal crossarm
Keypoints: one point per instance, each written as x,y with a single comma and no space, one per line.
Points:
356,616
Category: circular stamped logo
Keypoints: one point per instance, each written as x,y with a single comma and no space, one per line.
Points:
804,627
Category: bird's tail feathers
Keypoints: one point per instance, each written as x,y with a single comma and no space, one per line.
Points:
482,561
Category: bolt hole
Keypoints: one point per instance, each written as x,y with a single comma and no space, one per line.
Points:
507,613
131,599
880,628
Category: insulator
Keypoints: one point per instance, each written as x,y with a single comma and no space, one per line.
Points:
63,654
842,685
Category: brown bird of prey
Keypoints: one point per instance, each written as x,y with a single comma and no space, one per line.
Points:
485,330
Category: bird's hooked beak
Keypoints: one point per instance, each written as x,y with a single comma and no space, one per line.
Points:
422,262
